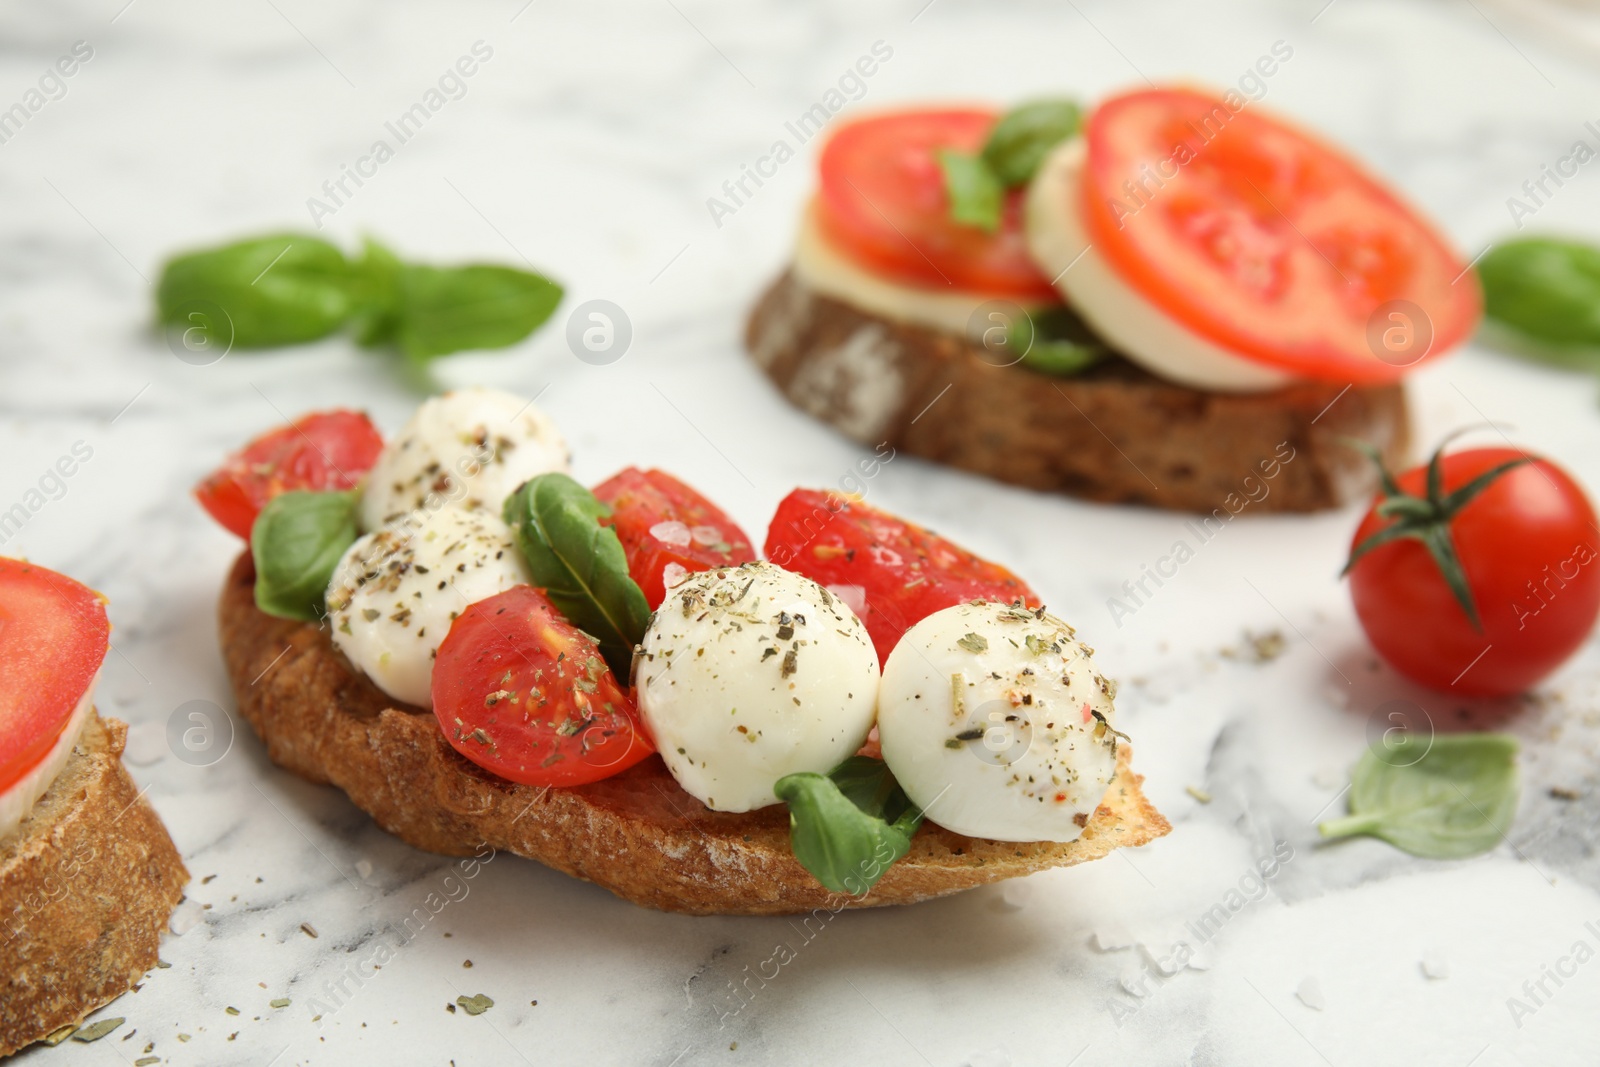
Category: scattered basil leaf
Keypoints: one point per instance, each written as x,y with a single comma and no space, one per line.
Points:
282,289
848,827
291,288
296,542
1454,799
96,1030
579,563
1026,134
1545,289
1055,342
59,1034
476,1004
976,195
446,309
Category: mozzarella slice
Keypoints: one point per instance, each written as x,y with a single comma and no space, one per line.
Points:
987,717
17,802
750,673
468,448
397,590
823,268
1137,328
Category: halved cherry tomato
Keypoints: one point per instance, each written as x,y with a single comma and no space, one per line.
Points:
523,693
1530,550
53,636
892,572
322,450
663,523
882,203
1267,242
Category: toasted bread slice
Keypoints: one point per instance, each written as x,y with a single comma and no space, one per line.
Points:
87,884
1115,433
637,834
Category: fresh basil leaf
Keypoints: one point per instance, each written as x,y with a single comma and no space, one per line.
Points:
867,783
1011,155
282,289
579,563
377,295
976,195
439,310
1456,798
1026,134
296,542
1055,342
1063,359
849,826
1546,289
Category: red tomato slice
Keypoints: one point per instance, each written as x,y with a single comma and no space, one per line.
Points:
524,694
1530,548
882,203
323,450
903,572
661,523
1267,242
53,636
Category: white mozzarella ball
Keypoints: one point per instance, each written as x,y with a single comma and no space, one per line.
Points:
397,590
469,448
750,673
995,722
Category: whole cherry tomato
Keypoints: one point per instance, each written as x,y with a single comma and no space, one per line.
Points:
1478,573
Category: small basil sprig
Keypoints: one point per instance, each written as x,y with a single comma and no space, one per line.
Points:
291,288
849,826
1015,148
1442,797
296,543
579,563
1548,291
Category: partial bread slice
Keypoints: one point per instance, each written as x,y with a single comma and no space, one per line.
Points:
637,834
87,884
1115,433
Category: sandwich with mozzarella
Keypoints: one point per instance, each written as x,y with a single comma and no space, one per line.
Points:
484,653
1177,299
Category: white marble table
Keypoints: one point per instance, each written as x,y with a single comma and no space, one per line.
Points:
589,143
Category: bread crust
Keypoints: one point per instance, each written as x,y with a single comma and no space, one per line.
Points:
637,834
87,884
1115,433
